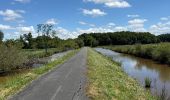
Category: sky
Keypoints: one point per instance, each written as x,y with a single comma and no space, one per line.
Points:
74,17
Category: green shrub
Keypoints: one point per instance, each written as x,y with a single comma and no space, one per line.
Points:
10,58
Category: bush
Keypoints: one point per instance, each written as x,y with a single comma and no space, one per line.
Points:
10,58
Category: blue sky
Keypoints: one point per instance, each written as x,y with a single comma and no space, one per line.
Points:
74,17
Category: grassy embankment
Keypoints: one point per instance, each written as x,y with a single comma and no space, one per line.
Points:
107,81
158,52
17,82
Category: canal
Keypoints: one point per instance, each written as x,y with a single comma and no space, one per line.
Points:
140,68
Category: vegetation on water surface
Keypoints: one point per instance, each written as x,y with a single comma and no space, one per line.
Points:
16,82
107,81
158,52
148,82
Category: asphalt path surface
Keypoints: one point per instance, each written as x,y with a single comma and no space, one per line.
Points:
66,82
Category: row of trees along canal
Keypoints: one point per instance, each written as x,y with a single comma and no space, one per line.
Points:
122,38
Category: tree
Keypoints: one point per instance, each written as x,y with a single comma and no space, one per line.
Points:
80,42
14,43
90,41
1,36
46,30
27,40
69,44
30,40
164,37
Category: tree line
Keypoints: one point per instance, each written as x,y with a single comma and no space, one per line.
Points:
50,40
47,38
122,38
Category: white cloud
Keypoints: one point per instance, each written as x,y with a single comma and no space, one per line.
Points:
11,15
92,30
92,25
132,16
164,18
26,29
5,27
111,3
111,24
21,11
51,21
9,35
137,21
65,34
21,21
118,4
23,1
160,28
120,28
93,12
102,29
137,25
84,23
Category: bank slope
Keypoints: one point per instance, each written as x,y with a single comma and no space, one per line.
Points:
107,81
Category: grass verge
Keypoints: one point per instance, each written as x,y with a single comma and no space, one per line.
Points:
107,81
17,82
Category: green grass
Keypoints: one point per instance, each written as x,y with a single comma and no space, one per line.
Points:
107,81
17,82
158,52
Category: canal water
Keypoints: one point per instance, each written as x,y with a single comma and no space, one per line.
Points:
140,68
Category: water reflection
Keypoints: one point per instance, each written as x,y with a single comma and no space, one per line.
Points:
139,69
